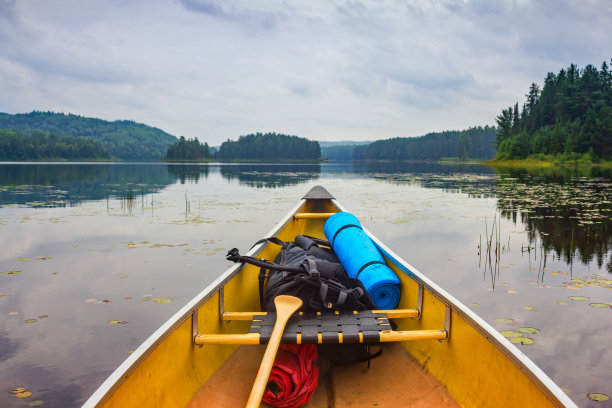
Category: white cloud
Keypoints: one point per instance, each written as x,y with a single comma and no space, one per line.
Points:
325,70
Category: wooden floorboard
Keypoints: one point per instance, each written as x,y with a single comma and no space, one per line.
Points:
395,379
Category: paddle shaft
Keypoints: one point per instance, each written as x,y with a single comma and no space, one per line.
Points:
285,307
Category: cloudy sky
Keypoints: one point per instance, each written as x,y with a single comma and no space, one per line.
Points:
325,70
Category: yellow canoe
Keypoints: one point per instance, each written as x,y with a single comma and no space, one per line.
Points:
441,354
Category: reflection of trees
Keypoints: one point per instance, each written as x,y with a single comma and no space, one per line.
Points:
68,184
473,179
271,176
188,172
568,209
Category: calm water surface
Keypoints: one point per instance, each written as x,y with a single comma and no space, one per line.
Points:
95,257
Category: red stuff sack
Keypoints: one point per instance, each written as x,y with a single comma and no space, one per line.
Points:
294,376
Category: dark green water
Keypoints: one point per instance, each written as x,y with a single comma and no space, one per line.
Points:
88,245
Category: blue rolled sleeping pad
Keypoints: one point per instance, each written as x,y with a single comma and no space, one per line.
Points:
362,259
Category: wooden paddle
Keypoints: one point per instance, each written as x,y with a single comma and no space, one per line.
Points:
285,307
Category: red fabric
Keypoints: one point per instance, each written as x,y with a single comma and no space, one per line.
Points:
295,375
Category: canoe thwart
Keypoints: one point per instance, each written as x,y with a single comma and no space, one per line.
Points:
302,216
391,314
255,338
366,326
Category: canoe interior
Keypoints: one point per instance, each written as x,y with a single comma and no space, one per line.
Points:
467,370
353,385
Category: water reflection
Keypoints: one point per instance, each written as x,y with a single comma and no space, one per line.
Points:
473,179
271,176
188,172
60,185
565,211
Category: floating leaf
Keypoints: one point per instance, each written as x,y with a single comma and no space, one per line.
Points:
36,403
31,320
562,303
531,308
510,333
17,390
504,320
43,316
128,298
43,258
601,305
578,298
91,300
598,397
511,291
11,273
474,304
529,330
522,340
23,259
117,321
107,301
24,394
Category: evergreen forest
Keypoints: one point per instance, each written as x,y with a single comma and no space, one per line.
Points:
569,117
473,143
270,146
125,139
36,146
188,149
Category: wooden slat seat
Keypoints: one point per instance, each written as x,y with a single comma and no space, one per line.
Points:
367,326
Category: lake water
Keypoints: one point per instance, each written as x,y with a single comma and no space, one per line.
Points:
95,257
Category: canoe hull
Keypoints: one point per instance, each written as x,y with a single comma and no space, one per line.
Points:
476,364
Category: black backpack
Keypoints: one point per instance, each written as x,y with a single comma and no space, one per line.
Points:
309,269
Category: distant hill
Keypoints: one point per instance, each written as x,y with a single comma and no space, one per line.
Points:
125,139
342,150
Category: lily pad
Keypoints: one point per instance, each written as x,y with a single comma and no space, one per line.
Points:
598,397
11,273
578,298
529,330
521,340
601,305
510,333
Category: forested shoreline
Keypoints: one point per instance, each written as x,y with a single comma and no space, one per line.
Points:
267,146
475,143
568,119
37,146
188,149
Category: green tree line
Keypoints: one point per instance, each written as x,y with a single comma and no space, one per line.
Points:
188,149
270,146
19,146
473,143
569,116
124,139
